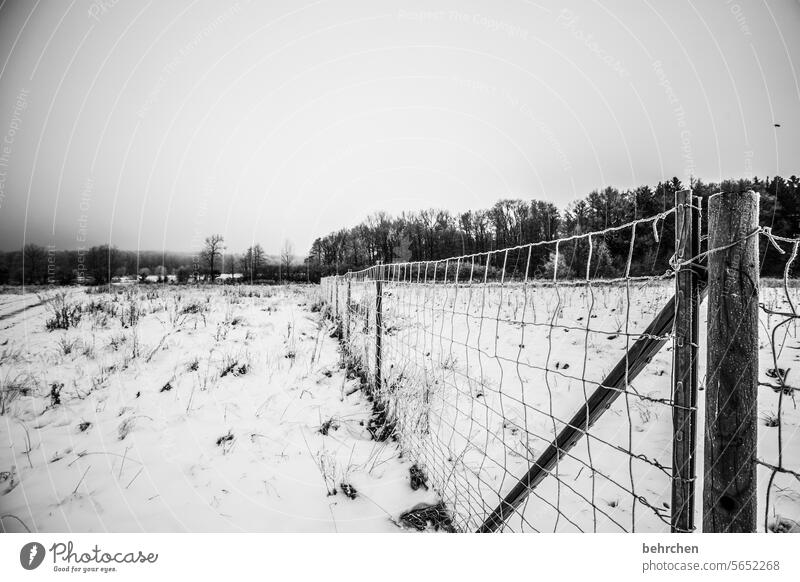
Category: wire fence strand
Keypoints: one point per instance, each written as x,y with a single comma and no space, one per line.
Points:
483,361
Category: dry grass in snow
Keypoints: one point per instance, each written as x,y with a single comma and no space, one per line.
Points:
187,409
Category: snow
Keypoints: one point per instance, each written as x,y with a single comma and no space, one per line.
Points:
202,409
505,367
151,435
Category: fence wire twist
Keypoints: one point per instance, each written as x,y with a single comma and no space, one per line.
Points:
778,447
778,454
478,363
484,359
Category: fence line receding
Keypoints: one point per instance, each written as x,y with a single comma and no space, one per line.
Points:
549,386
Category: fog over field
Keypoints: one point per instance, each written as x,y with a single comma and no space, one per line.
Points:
148,126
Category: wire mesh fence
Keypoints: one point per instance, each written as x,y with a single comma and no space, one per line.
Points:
536,386
484,359
778,454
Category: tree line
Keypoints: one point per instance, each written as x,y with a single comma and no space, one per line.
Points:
428,235
433,234
39,265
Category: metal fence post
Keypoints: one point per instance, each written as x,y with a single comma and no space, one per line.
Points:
378,325
729,492
685,360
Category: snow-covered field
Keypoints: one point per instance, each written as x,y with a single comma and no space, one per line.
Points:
187,409
228,409
481,378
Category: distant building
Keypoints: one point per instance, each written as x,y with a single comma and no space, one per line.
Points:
228,277
123,280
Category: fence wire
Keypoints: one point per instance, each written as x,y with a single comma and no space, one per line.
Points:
483,360
778,455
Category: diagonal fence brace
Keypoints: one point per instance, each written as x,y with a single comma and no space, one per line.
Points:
638,356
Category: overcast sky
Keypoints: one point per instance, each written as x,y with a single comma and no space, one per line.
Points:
151,124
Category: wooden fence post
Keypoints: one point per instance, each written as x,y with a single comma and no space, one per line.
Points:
378,325
347,317
729,496
685,376
627,369
335,299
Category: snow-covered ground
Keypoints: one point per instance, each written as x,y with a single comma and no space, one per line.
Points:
481,378
188,409
228,409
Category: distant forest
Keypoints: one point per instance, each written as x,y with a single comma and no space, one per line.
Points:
101,264
428,235
437,234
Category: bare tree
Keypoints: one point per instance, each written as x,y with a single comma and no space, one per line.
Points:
246,263
251,261
257,259
101,262
213,249
231,261
35,260
286,259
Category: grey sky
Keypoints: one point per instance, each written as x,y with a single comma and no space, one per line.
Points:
152,124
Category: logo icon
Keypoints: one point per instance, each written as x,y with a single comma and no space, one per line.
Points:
31,555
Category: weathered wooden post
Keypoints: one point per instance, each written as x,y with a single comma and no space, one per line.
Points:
685,376
347,317
336,299
729,496
378,326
